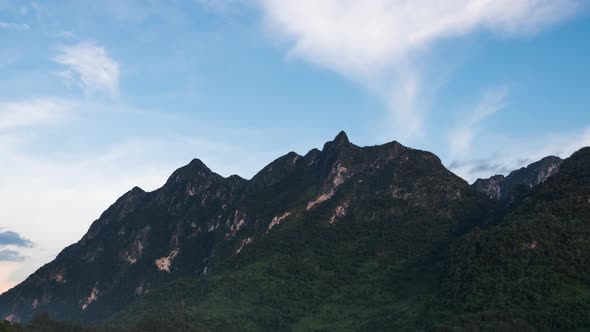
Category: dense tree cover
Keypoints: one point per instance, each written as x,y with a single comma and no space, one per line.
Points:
377,268
41,322
527,272
535,263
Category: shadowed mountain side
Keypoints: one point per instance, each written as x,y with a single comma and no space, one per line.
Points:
346,238
200,223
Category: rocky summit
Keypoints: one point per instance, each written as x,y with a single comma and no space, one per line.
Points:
507,188
344,238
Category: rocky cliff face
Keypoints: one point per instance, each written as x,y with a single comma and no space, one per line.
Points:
507,188
200,222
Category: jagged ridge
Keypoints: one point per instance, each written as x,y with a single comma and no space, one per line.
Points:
198,221
508,188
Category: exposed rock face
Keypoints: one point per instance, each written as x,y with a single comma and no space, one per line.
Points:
492,187
199,220
506,188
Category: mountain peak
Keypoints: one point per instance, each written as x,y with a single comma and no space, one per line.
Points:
196,169
550,159
340,140
502,187
276,170
136,190
197,164
577,166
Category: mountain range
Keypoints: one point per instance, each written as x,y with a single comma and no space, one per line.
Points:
508,188
344,238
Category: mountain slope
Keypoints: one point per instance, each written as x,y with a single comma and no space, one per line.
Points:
384,201
535,263
527,272
131,247
509,188
345,238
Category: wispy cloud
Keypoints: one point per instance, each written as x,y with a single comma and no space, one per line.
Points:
7,255
461,138
34,112
89,66
14,26
9,238
381,43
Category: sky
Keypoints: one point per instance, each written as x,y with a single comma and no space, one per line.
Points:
99,96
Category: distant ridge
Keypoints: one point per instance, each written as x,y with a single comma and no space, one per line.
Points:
505,188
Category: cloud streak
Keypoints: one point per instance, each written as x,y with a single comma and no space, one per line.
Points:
381,43
9,238
363,36
8,255
33,112
461,138
89,66
14,26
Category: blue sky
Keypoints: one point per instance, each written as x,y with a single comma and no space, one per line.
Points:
99,96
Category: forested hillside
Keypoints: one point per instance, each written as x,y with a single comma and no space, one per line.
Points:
343,239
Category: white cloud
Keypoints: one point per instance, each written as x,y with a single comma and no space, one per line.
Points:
364,36
90,66
380,43
14,26
33,112
461,138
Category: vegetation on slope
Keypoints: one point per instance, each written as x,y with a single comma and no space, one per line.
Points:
528,272
390,265
355,275
534,264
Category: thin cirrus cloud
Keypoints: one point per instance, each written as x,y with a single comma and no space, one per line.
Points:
379,43
22,114
14,26
461,138
88,66
7,255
